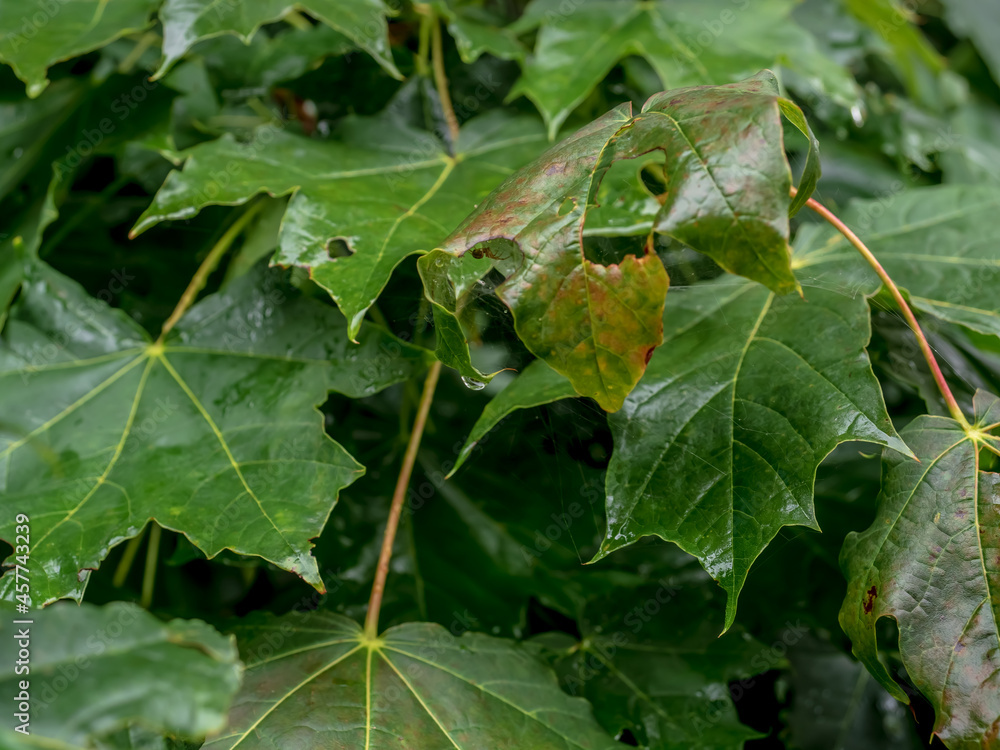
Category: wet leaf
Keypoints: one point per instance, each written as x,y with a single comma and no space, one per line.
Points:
931,561
597,324
117,652
385,190
214,433
717,448
538,384
314,679
35,36
475,33
650,661
687,42
938,243
186,23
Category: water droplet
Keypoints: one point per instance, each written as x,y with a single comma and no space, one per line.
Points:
858,115
473,385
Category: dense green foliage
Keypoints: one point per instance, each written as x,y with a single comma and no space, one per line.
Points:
564,260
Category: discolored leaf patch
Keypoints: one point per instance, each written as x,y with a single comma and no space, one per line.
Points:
721,150
931,561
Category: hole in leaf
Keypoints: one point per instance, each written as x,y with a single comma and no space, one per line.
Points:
566,206
653,178
338,248
627,738
608,250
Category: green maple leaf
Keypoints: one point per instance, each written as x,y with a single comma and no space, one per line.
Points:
118,651
416,685
931,561
598,324
187,22
213,433
717,447
687,42
35,36
384,189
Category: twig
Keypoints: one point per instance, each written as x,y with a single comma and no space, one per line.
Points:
925,347
128,556
152,557
382,572
441,81
207,266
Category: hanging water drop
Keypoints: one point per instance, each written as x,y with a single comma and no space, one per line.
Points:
472,384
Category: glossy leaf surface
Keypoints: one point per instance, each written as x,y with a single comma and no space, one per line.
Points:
118,652
931,561
691,42
185,23
382,188
660,669
538,384
104,429
598,324
717,447
313,679
937,243
35,36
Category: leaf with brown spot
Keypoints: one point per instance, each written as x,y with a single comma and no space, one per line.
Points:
930,561
722,153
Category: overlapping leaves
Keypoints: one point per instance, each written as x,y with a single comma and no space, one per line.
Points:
931,561
35,36
687,43
701,454
117,652
382,188
728,198
717,447
937,243
212,433
651,662
186,23
315,679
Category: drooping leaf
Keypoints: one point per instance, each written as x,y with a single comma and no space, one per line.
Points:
538,384
598,324
94,669
212,433
186,22
938,243
717,448
36,34
688,43
314,680
651,661
385,190
931,561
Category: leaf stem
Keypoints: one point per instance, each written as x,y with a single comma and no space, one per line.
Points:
152,557
207,266
128,557
396,509
911,319
441,80
424,40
